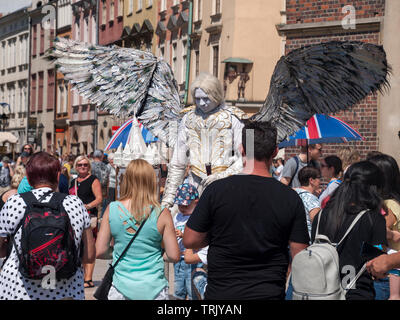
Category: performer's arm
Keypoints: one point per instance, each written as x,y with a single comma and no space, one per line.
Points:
236,159
176,167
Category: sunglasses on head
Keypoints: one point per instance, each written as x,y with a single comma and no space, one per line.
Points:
82,165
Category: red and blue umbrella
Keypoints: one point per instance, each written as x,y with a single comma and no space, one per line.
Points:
323,129
122,135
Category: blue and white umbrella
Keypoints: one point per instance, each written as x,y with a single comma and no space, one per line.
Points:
122,135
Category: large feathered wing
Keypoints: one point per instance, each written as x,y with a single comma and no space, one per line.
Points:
123,81
323,78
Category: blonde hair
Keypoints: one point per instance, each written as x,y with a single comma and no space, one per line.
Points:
19,174
80,158
348,156
210,85
139,185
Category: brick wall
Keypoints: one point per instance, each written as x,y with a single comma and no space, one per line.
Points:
364,115
307,11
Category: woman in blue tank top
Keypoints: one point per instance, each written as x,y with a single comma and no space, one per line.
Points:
140,273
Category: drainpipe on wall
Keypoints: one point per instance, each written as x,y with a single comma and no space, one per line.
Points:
189,49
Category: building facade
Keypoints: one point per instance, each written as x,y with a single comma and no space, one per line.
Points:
308,22
83,119
62,129
140,22
221,39
42,76
14,74
110,29
236,41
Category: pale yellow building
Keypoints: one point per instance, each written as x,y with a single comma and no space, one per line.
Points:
140,23
237,41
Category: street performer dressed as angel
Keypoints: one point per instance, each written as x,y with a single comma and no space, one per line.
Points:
320,78
208,140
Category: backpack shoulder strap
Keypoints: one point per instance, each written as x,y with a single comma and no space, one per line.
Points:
358,217
58,197
295,171
28,198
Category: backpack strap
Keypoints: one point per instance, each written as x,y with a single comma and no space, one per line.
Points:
358,217
295,171
325,238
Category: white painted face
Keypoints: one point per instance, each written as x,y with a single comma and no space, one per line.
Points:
203,102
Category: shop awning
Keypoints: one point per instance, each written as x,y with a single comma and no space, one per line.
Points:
237,60
7,137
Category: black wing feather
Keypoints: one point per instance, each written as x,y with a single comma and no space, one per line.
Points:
322,78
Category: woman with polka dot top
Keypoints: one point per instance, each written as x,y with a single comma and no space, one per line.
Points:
43,171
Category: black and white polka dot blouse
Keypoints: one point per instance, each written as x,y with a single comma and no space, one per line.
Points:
13,286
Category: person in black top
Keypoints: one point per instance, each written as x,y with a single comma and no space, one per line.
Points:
88,189
358,192
248,221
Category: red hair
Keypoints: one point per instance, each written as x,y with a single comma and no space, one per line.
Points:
43,168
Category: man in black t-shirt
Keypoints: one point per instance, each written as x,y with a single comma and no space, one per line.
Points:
248,221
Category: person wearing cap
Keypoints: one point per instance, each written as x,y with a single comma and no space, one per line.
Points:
6,173
186,198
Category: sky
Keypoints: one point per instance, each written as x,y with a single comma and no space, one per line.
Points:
8,6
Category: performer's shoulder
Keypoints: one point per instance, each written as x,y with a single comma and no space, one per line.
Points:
238,113
187,109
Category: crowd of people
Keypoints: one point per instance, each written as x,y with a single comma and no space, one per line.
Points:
234,241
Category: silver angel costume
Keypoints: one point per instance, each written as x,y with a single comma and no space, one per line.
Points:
205,140
321,78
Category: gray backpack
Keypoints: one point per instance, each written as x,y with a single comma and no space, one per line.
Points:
315,270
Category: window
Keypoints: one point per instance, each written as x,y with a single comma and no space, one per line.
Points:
149,3
111,17
197,57
217,6
130,8
3,56
139,5
104,14
215,60
184,54
60,98
199,9
65,110
34,40
120,8
40,92
41,40
50,90
163,5
33,93
174,59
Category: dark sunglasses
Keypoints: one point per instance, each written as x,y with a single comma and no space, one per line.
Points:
82,165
